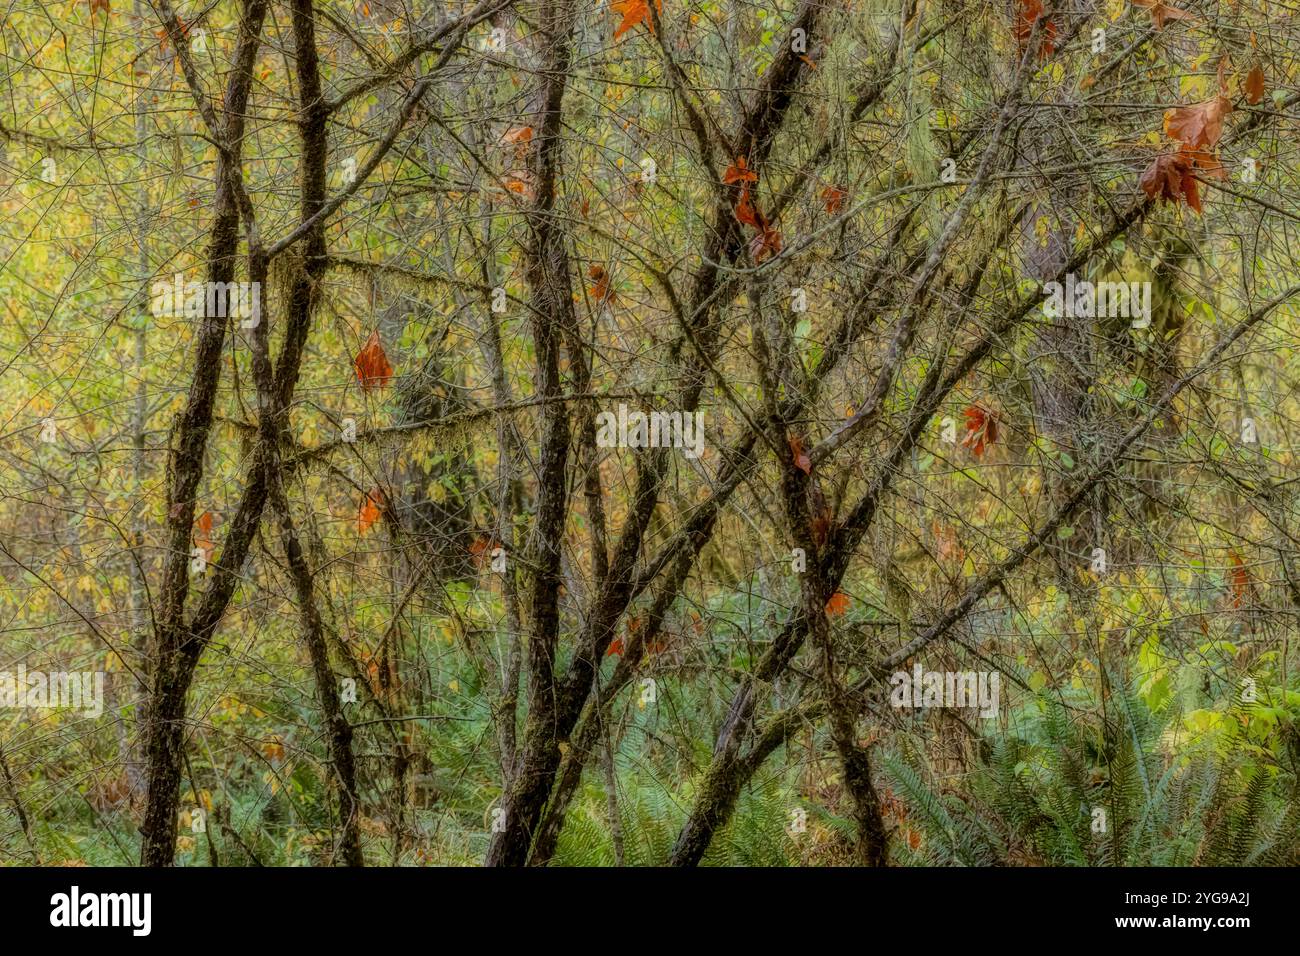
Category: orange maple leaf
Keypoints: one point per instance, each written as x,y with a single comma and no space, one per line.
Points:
1028,13
479,549
766,243
981,429
520,137
203,533
745,211
634,12
1170,178
833,198
739,172
1254,85
838,604
601,291
371,364
1162,13
273,749
1239,578
1199,126
516,135
615,647
518,186
369,511
801,459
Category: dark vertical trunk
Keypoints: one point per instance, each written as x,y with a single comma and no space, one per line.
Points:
548,278
164,756
179,644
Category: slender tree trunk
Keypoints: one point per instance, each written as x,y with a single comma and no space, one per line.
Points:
548,277
139,420
338,730
178,644
164,755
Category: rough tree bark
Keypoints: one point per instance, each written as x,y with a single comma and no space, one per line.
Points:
549,280
178,645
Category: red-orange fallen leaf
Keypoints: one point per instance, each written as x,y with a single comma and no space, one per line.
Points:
1239,578
520,137
914,839
838,604
371,364
615,647
601,291
1028,12
1254,85
745,211
1162,13
1199,126
517,135
739,172
369,512
273,749
1207,161
833,198
766,243
634,12
1169,177
801,459
203,533
479,549
981,429
99,5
